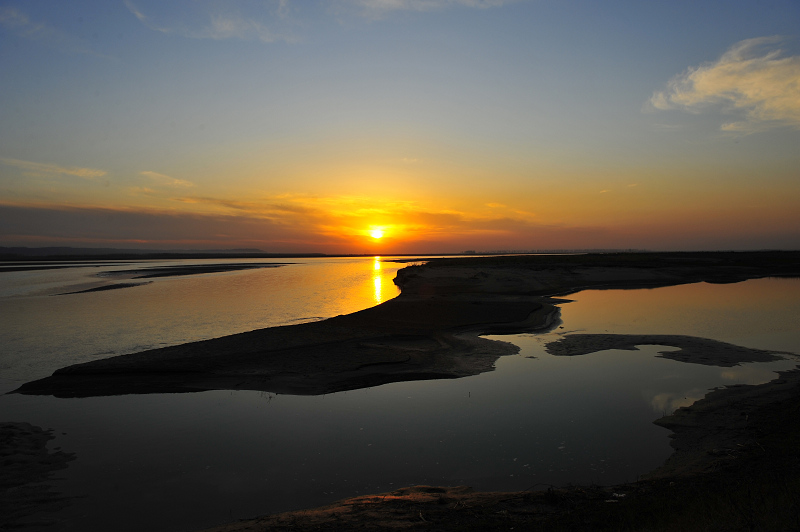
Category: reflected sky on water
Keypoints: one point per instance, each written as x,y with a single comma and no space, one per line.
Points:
42,331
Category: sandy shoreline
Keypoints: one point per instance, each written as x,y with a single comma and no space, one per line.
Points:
432,331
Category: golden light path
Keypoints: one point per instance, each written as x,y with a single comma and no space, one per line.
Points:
376,280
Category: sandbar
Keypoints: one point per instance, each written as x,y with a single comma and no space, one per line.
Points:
691,349
190,269
431,330
103,288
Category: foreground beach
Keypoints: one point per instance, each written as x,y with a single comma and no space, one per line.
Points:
431,331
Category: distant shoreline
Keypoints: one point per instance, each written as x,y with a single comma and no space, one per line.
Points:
65,253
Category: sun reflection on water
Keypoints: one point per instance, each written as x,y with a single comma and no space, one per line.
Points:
377,281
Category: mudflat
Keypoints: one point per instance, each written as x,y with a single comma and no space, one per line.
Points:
432,330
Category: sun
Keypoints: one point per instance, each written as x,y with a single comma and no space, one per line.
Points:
377,234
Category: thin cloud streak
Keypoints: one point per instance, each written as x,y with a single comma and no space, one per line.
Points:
288,231
320,231
219,25
752,78
425,5
20,24
33,169
241,20
166,180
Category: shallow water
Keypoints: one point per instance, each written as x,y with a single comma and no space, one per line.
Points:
42,330
186,461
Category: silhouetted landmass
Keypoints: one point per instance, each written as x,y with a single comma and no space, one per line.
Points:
430,331
192,269
691,350
104,288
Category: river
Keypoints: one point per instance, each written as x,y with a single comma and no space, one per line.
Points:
174,462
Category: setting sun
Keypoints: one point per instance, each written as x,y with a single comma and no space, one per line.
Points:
376,233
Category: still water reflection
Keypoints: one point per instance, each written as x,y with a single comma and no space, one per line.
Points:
377,280
194,460
41,331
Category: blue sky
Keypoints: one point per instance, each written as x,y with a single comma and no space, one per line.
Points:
298,126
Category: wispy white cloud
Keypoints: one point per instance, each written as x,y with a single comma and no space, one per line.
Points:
424,5
381,9
20,24
135,10
166,180
34,169
753,79
231,20
272,20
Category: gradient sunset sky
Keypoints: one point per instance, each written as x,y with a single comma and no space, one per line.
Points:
303,126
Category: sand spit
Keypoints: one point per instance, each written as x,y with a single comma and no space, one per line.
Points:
430,331
691,349
191,269
392,342
103,288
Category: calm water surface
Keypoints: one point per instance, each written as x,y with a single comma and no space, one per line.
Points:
187,461
42,331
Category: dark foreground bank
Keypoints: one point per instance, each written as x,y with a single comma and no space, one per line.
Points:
736,468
